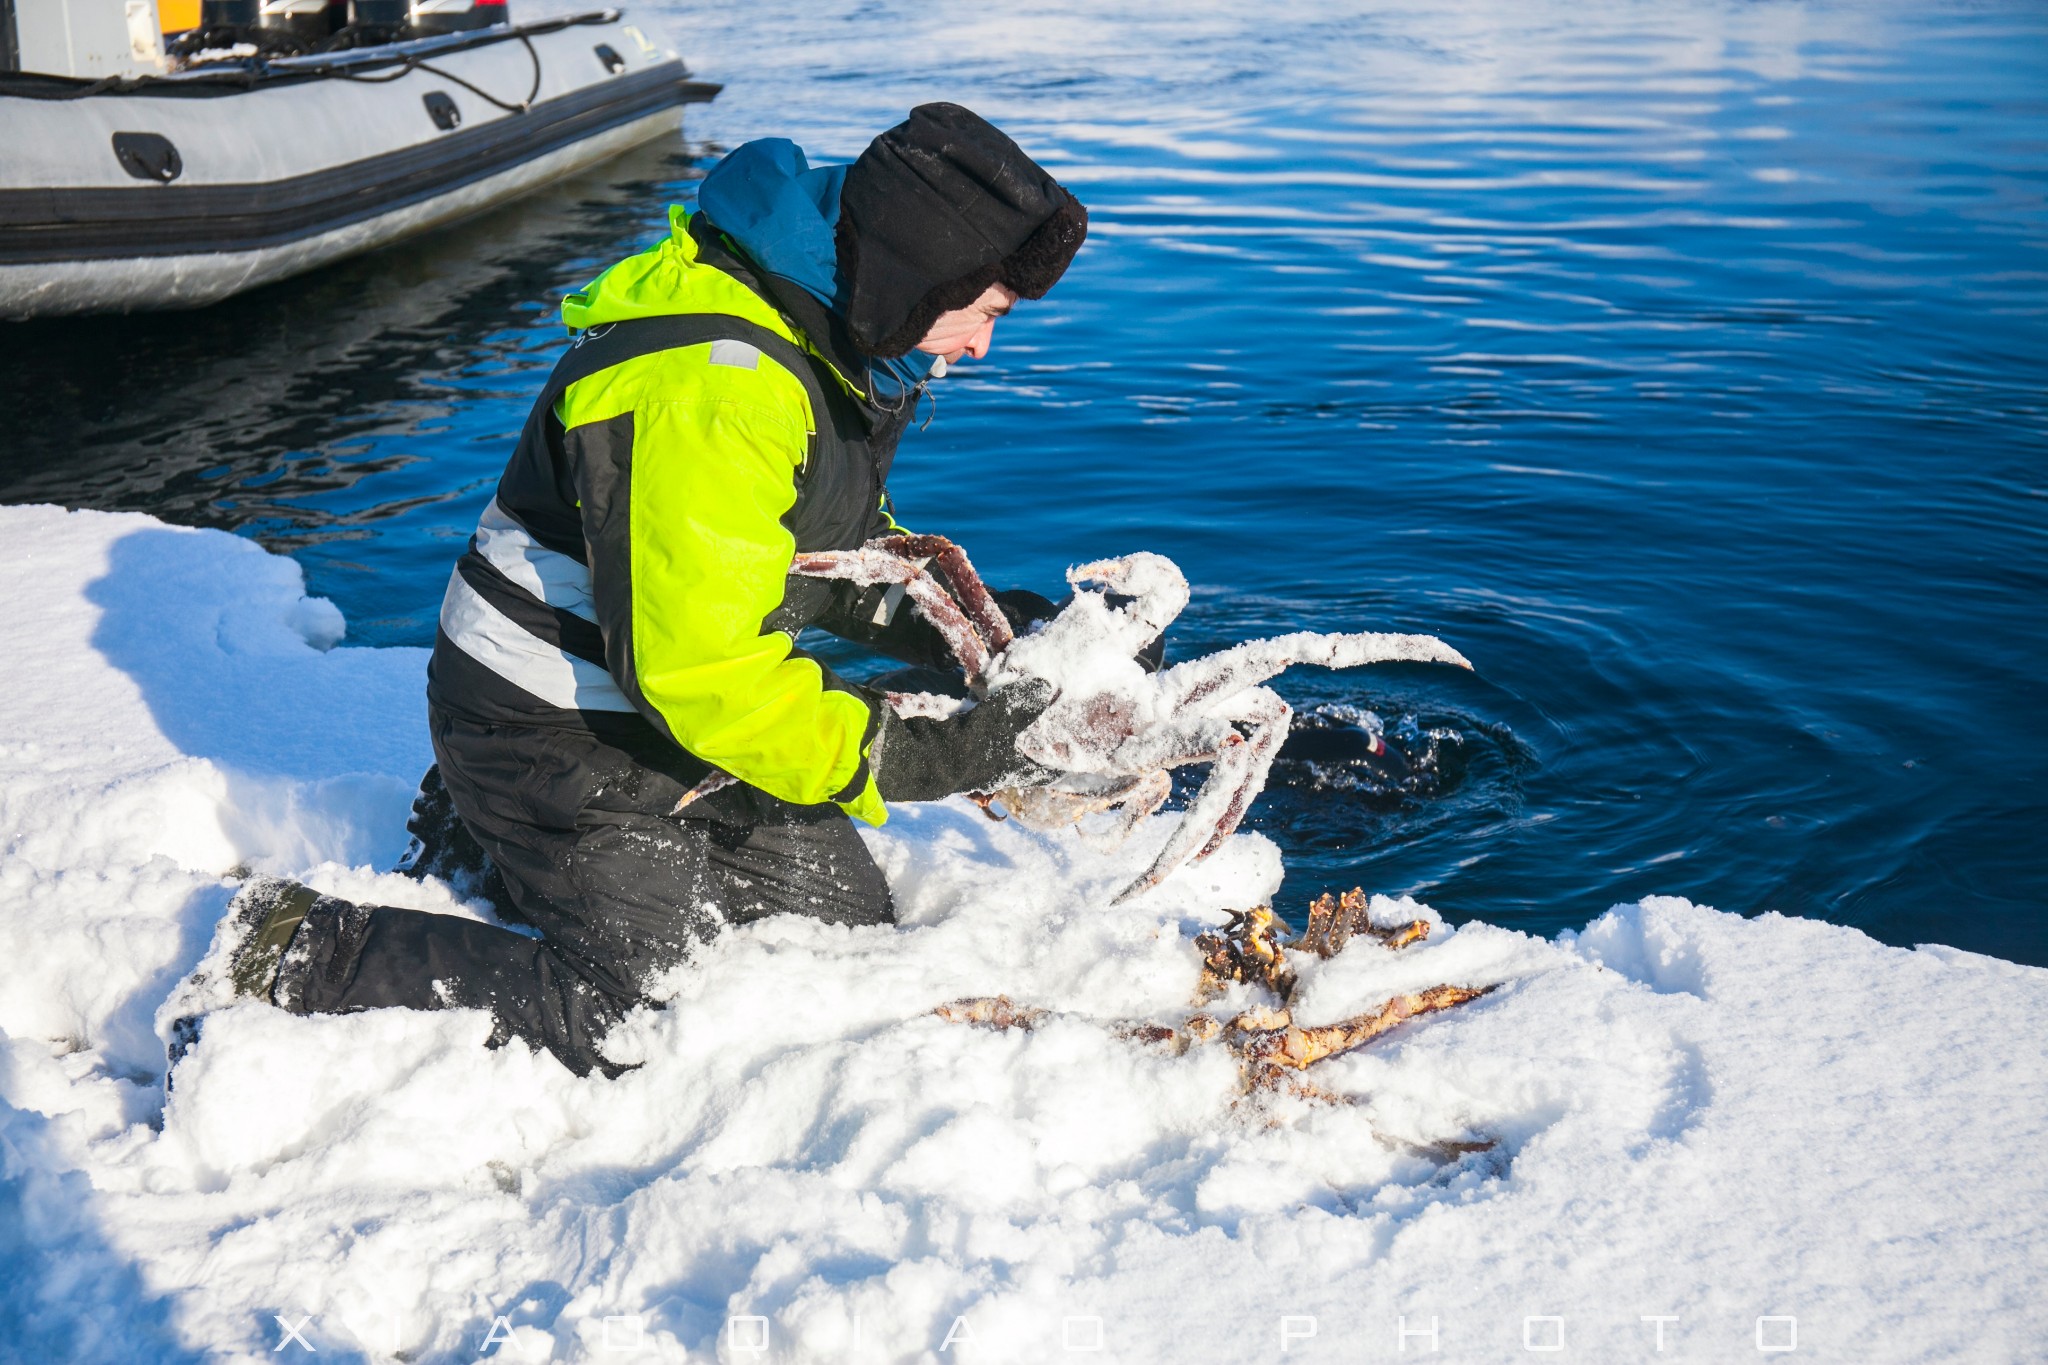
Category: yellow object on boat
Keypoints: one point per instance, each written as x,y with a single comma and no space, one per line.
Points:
175,16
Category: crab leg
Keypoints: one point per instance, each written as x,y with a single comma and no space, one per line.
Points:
1147,795
1061,804
1270,718
870,564
895,560
1136,800
1056,807
713,781
1236,779
1277,1041
1232,670
968,589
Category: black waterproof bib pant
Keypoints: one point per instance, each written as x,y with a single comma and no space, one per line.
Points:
618,888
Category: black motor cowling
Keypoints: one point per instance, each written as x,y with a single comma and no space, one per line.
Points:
291,27
456,16
229,13
277,28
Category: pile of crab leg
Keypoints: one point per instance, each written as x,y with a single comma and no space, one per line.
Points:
1269,1045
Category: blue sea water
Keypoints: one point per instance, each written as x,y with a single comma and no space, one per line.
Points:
1684,364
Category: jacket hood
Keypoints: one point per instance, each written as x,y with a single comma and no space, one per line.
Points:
782,213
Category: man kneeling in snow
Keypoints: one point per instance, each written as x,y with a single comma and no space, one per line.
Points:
623,623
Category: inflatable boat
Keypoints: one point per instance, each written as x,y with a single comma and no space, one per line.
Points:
148,176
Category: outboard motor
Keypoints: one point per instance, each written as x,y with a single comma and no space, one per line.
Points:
455,16
275,26
230,13
302,21
420,18
379,14
372,22
293,26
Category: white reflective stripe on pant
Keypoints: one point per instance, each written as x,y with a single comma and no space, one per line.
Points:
522,658
554,578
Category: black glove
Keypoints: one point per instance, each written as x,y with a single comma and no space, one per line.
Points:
891,625
923,760
1023,608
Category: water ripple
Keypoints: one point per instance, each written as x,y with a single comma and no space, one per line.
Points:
1681,363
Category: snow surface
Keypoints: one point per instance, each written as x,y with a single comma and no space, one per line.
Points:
1698,1117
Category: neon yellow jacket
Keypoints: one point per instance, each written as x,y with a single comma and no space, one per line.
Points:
686,478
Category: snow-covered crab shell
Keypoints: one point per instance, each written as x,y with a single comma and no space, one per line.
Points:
1113,731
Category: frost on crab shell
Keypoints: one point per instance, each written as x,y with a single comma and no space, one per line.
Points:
1113,732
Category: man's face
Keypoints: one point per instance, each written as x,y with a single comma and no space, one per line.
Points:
969,330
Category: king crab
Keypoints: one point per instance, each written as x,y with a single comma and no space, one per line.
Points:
1113,732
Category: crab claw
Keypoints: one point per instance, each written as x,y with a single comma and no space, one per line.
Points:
1156,582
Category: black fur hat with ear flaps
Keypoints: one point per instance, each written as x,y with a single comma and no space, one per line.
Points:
935,211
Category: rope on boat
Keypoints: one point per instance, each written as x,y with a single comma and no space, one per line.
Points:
408,65
98,87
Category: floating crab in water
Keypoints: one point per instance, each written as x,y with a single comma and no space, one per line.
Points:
1113,731
1271,1048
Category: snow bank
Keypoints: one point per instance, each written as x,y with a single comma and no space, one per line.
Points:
1738,1134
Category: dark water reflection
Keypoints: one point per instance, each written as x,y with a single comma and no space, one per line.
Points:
350,418
1682,364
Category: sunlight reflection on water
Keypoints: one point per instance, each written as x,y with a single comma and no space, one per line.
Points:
1680,363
